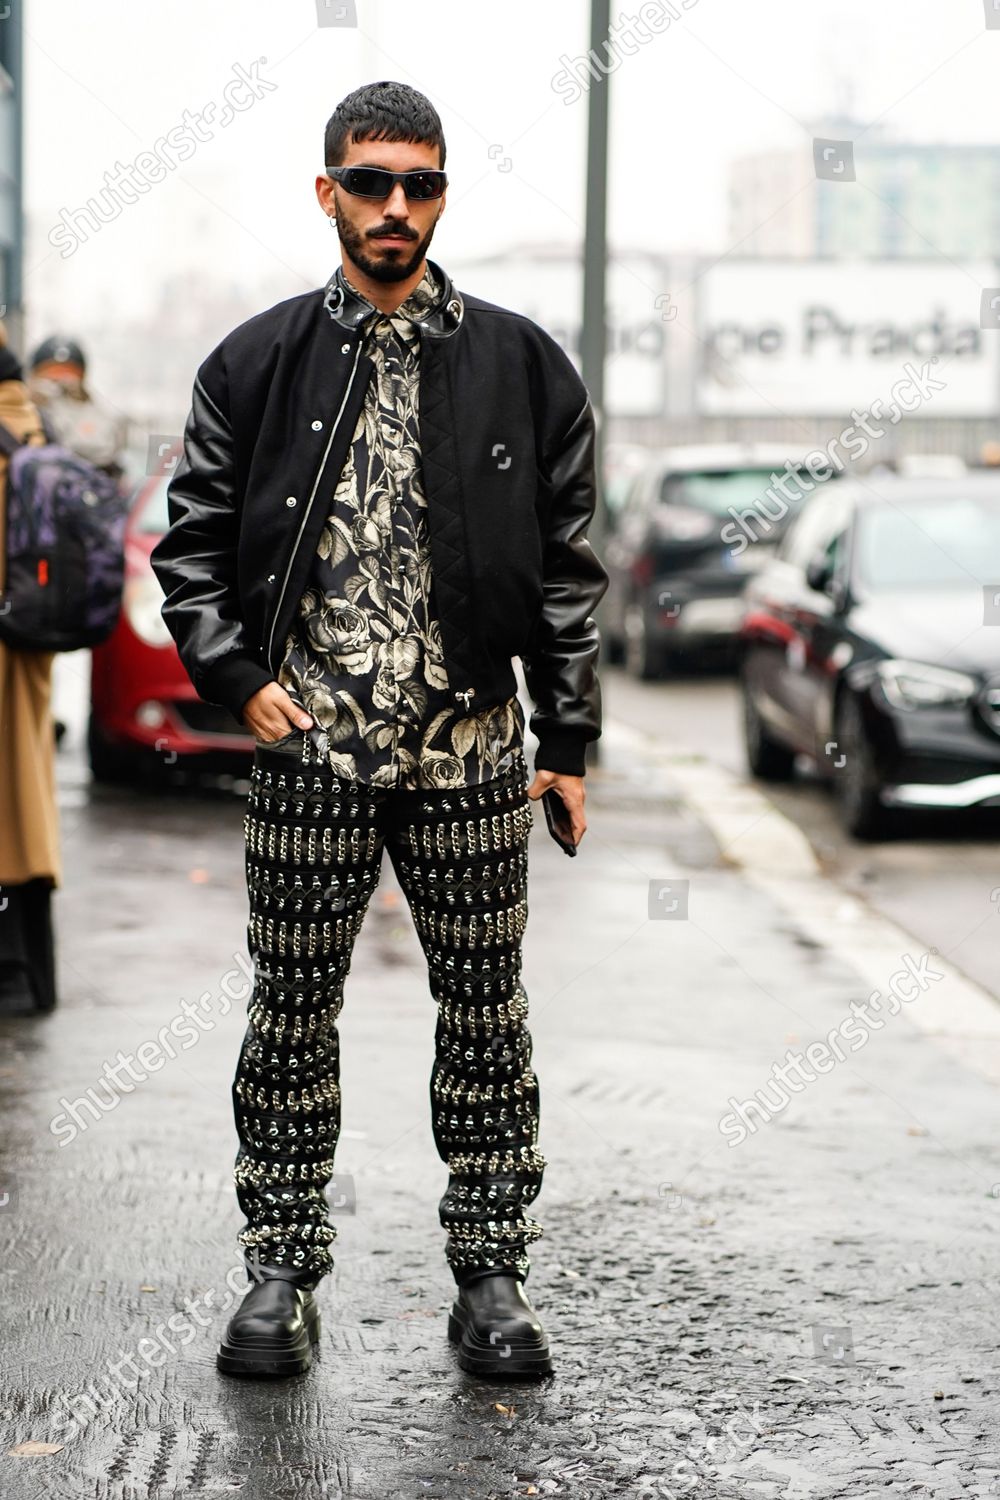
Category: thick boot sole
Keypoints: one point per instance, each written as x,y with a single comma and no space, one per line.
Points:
510,1359
270,1359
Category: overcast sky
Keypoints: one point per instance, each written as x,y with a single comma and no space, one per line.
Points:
106,79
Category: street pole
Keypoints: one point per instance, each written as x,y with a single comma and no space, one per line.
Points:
11,177
593,322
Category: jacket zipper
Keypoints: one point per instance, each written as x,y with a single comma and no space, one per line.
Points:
309,505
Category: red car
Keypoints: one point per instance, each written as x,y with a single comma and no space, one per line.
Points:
144,711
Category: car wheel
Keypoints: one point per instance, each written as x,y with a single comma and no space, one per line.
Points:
108,762
767,758
642,658
857,782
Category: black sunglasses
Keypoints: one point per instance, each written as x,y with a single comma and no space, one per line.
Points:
378,182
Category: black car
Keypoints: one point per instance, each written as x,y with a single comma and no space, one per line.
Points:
871,643
694,523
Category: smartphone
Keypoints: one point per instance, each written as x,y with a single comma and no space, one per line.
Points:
557,818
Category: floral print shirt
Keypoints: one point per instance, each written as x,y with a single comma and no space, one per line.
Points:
364,654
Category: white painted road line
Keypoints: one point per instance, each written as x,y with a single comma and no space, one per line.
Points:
775,856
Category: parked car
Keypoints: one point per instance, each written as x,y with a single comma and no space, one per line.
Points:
622,462
144,711
871,643
694,524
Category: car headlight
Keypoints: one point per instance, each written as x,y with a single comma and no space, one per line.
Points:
915,684
141,601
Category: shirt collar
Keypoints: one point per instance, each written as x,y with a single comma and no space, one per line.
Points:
416,306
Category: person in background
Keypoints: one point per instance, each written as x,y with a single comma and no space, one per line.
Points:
30,860
72,414
82,422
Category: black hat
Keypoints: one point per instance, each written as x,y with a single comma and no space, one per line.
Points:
62,350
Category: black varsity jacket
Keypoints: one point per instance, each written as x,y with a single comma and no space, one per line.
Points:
507,444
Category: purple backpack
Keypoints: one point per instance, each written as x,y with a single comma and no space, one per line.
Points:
65,548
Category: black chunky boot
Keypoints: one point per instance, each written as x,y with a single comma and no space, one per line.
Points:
273,1330
497,1329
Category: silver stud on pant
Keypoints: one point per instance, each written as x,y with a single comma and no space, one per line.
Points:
313,857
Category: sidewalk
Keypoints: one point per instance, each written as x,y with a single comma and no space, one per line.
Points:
806,1310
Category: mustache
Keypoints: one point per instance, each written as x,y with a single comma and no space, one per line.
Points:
381,234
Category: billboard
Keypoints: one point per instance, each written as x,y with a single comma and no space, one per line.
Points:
547,286
824,337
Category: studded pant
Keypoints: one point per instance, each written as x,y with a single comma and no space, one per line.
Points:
313,858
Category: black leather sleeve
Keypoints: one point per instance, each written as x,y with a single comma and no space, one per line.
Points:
195,560
560,668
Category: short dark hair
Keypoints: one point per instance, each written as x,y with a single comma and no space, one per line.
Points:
383,111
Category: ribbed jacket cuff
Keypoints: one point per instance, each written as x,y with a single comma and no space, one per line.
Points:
233,679
562,749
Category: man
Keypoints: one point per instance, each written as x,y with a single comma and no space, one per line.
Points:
74,416
87,425
383,499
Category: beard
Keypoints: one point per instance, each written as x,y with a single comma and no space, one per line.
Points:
396,266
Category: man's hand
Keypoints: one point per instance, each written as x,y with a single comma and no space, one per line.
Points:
570,788
272,713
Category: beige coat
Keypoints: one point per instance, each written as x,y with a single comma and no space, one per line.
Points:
29,819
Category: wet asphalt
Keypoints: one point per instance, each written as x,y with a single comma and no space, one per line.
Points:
808,1311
